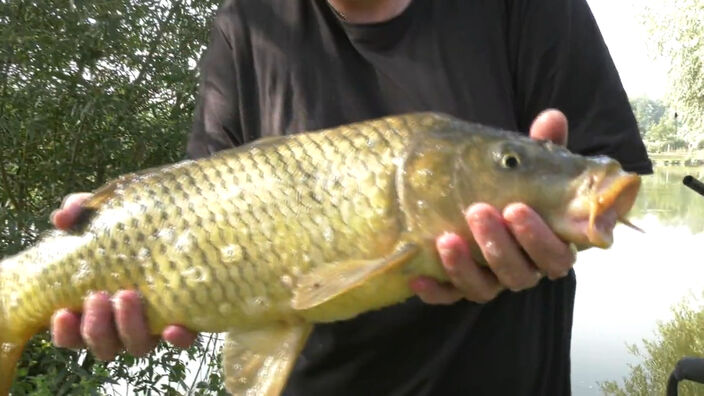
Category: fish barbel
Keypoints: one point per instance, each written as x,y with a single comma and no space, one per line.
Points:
265,240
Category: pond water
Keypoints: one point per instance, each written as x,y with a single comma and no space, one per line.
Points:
624,291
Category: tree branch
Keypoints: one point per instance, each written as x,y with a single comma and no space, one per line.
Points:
155,42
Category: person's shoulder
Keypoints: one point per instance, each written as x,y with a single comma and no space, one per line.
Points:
238,7
243,19
236,11
252,11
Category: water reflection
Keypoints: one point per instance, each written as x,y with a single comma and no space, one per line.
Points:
622,292
664,196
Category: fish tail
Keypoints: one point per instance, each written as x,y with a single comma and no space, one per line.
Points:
9,356
11,345
19,320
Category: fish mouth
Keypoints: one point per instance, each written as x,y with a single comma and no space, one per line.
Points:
610,205
605,200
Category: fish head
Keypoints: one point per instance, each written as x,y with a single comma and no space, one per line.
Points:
580,198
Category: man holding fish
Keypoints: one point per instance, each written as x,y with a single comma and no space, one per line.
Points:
286,66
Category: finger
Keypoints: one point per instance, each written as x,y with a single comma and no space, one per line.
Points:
550,254
66,330
179,336
64,217
98,327
501,251
476,283
432,292
550,125
131,324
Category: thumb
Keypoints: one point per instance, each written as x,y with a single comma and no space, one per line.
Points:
551,124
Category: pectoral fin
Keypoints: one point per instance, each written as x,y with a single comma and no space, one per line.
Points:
332,279
258,362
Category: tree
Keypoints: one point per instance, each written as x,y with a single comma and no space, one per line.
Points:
648,112
88,91
677,28
658,125
665,135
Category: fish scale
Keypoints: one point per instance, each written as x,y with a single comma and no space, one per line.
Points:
181,181
267,239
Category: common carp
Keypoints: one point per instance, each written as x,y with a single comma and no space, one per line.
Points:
265,240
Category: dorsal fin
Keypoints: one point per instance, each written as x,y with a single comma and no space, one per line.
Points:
107,191
93,203
260,143
266,141
103,194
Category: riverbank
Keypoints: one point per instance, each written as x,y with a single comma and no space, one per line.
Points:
685,159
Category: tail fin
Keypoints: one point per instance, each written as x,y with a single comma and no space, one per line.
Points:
19,320
12,342
10,347
9,356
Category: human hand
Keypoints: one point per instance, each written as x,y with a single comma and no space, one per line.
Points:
517,244
107,325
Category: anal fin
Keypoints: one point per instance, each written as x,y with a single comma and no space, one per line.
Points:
258,362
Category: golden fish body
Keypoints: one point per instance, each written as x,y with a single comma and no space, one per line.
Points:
266,239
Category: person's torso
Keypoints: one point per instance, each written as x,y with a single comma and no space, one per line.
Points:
304,69
310,70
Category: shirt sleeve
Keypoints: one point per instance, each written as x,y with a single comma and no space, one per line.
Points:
216,124
559,60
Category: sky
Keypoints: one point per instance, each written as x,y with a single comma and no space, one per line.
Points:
627,38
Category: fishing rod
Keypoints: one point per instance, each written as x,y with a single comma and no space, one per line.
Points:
694,184
688,368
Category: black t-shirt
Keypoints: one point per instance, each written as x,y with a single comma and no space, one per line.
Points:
286,66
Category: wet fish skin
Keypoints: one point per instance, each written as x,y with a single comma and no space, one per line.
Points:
269,238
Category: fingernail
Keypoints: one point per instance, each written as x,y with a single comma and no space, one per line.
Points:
477,217
517,215
481,218
448,258
64,201
445,252
98,294
443,241
116,302
491,248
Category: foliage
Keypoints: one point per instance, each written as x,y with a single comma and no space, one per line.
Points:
677,338
90,90
664,136
658,125
648,112
677,31
664,130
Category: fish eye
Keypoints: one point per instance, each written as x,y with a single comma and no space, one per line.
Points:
510,161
